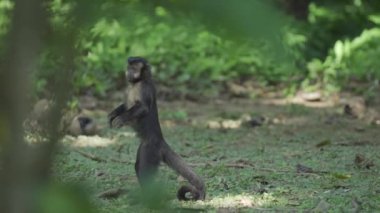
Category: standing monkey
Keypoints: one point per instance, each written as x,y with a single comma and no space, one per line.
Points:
140,112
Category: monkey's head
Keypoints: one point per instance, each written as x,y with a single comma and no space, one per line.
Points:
82,125
137,69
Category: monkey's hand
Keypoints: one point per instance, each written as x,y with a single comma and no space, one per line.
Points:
117,122
121,116
113,119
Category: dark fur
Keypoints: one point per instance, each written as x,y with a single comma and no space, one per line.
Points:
84,121
140,112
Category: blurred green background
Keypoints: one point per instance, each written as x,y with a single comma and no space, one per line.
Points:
197,48
310,44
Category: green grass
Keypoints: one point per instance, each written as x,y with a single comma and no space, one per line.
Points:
269,154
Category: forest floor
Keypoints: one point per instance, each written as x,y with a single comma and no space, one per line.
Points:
254,155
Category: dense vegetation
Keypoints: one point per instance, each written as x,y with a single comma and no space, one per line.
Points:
323,45
273,102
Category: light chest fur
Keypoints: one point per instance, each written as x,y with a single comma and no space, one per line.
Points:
133,94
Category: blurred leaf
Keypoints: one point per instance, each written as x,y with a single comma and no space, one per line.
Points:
59,198
323,143
375,19
341,176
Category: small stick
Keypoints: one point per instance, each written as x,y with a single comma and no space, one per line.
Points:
242,166
121,161
91,156
112,193
99,159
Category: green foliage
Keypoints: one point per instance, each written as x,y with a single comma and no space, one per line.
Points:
330,21
357,58
362,54
60,198
193,45
348,46
182,54
5,8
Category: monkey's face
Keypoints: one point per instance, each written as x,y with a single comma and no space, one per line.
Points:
135,71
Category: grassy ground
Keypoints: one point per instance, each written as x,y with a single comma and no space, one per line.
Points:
247,169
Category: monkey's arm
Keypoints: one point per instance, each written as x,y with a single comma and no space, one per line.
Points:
137,110
116,112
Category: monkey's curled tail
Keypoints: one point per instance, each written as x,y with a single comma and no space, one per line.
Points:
197,188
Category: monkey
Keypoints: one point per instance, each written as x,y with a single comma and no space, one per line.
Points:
82,125
72,122
140,112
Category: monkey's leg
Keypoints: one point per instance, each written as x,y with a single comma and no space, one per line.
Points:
147,163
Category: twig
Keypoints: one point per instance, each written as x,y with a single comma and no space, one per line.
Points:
236,165
112,193
230,165
188,209
91,156
121,161
242,166
99,159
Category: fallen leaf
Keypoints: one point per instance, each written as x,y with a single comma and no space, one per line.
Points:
112,193
311,96
214,125
246,202
362,162
323,143
303,169
231,124
341,176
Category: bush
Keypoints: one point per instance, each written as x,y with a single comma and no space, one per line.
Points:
348,46
182,55
339,41
5,8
